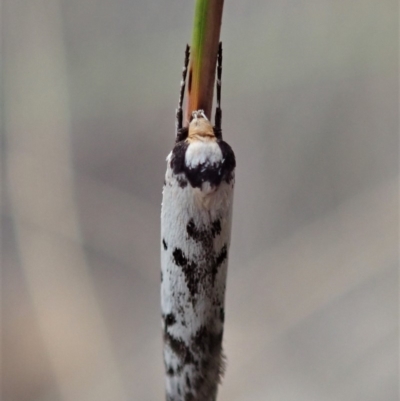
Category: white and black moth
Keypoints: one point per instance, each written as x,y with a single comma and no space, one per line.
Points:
195,235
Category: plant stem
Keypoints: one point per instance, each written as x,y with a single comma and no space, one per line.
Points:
206,32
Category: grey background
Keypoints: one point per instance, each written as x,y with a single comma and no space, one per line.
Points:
310,106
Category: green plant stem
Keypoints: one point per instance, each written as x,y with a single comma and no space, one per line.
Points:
206,32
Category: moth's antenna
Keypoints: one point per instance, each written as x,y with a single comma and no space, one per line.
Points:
179,111
218,111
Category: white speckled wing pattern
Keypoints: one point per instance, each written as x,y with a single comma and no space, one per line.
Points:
195,237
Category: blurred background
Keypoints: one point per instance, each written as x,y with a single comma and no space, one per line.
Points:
310,106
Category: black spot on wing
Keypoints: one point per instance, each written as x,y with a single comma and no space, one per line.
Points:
179,257
179,368
191,229
165,246
220,258
188,383
169,319
181,181
204,236
189,359
207,270
216,228
192,278
189,268
180,349
170,371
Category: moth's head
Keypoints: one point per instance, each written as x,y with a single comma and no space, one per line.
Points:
200,128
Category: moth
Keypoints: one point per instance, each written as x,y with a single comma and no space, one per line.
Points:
196,217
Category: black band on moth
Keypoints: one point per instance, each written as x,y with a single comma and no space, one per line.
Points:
178,157
213,173
229,161
204,172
